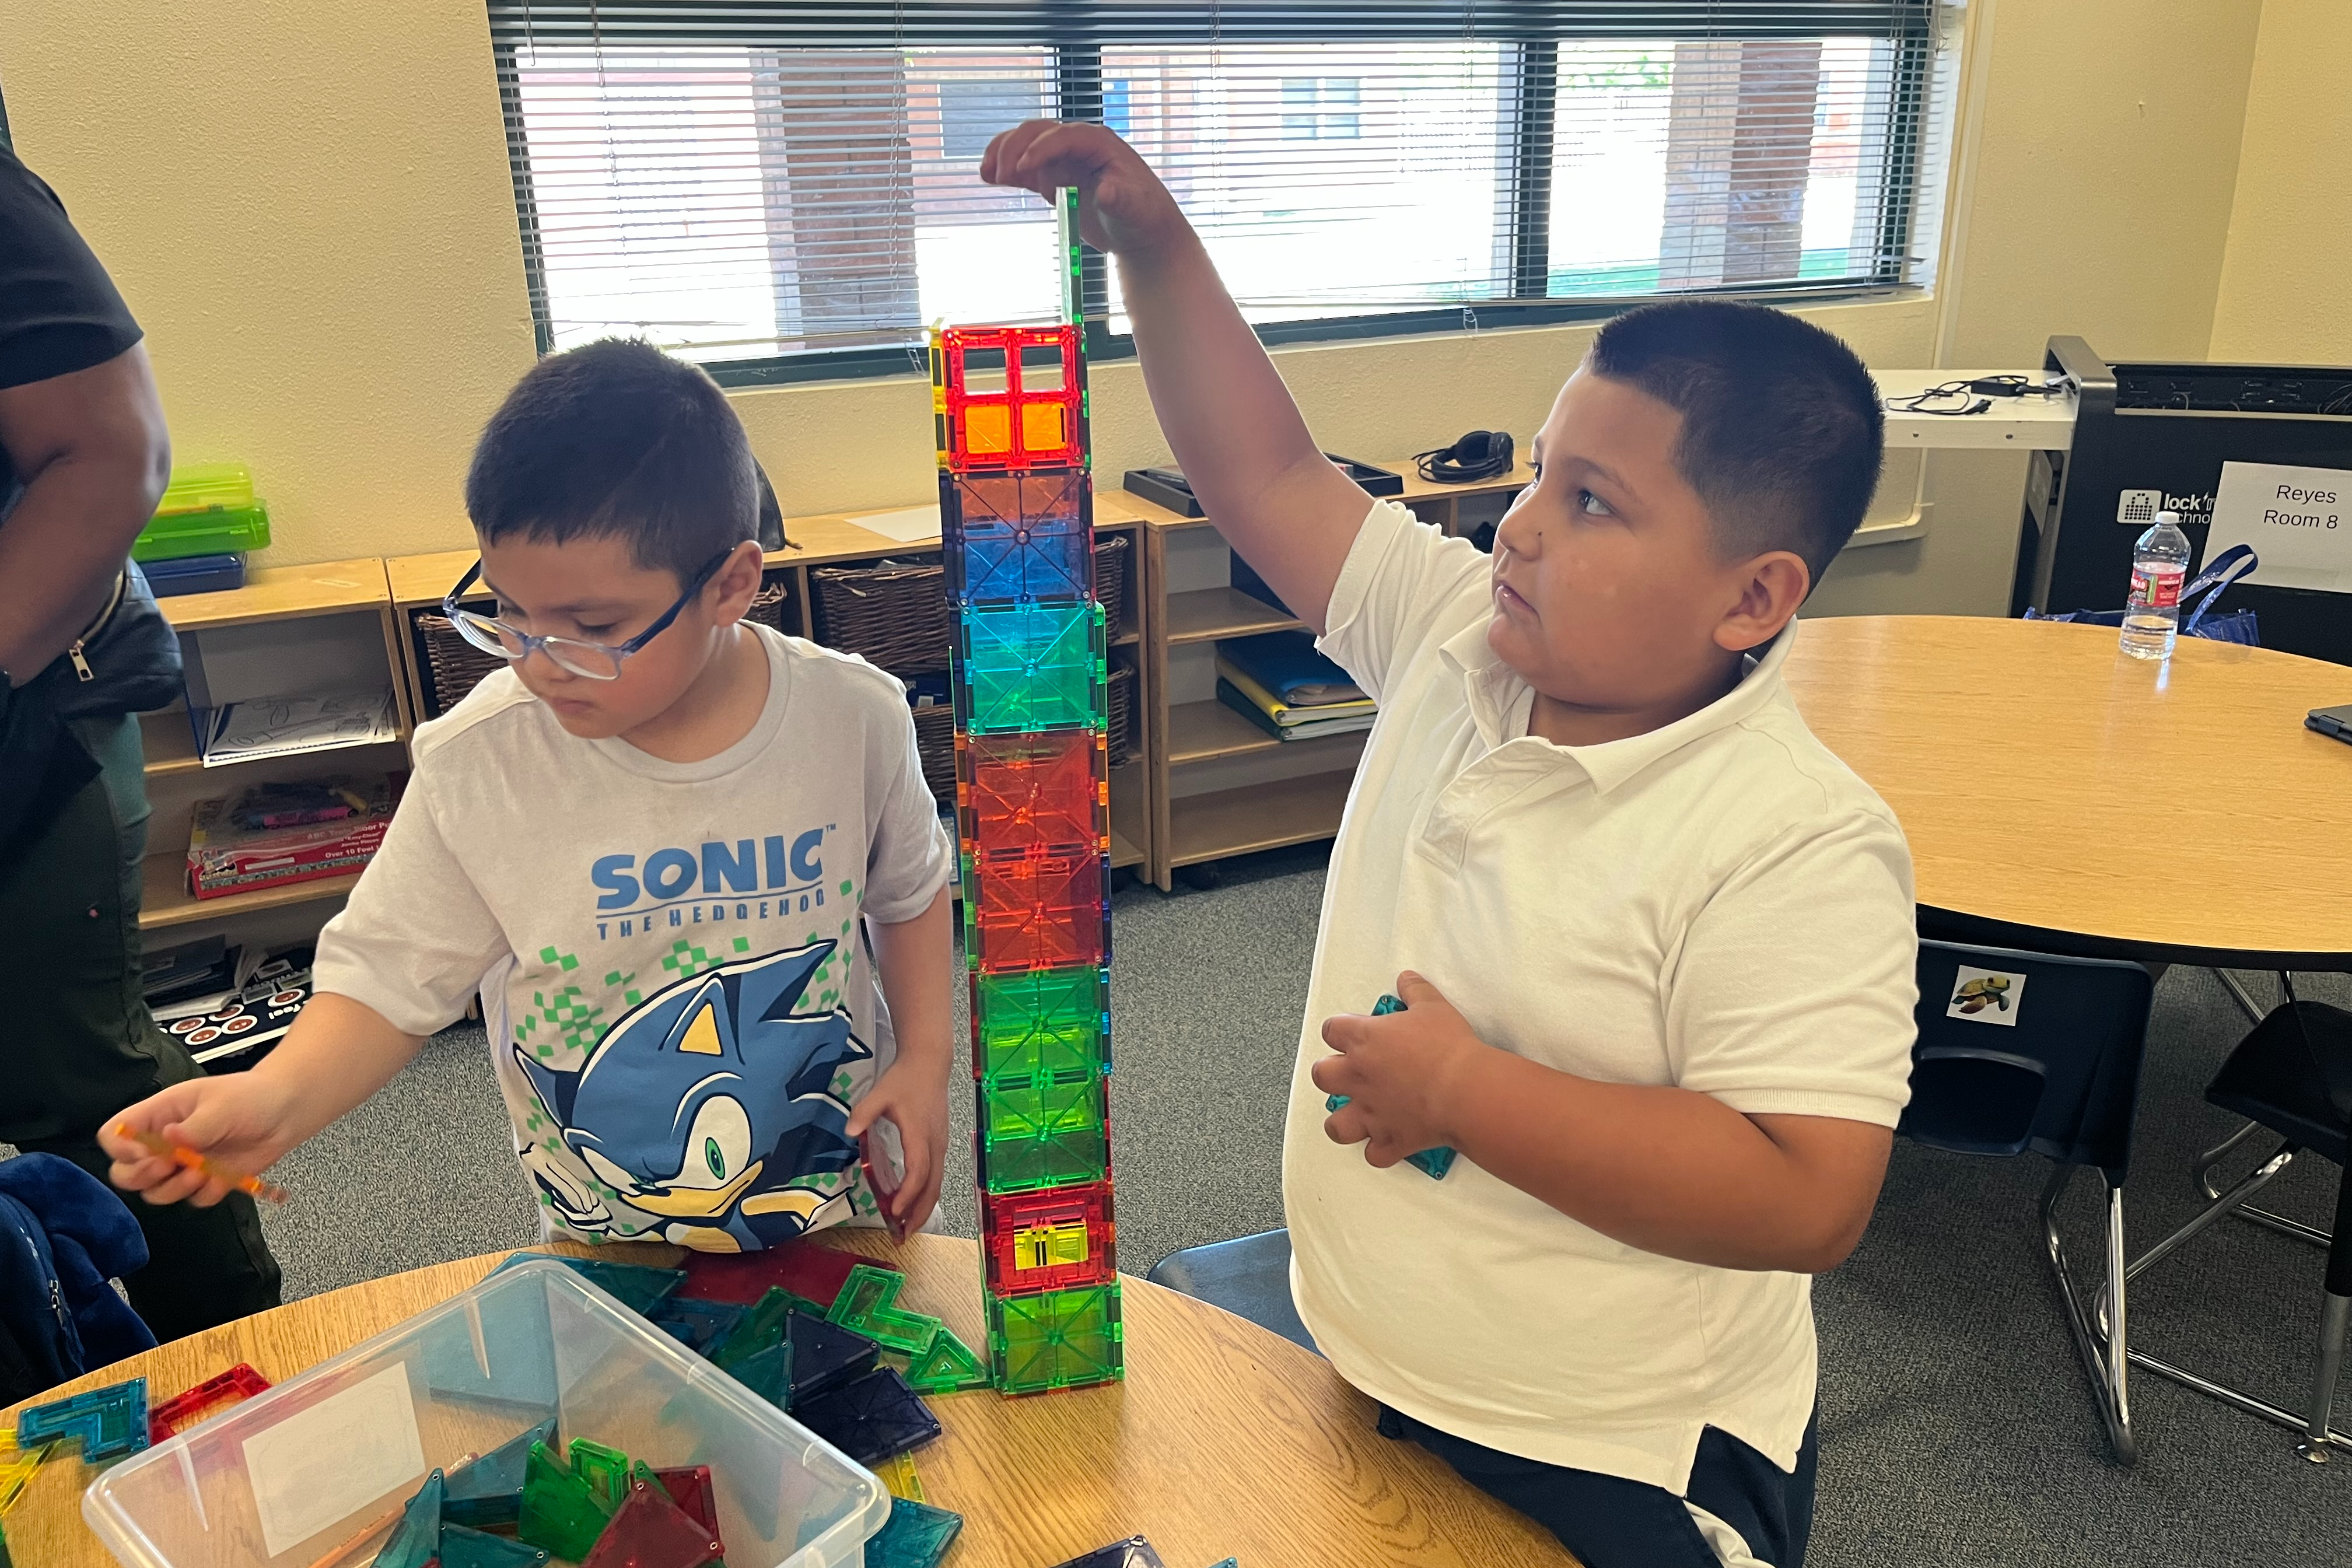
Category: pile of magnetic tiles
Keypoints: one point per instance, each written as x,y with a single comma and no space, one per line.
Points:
810,1330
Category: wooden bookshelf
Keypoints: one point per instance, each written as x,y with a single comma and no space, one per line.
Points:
356,592
164,898
1198,732
1259,816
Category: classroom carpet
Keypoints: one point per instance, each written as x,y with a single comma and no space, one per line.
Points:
1955,1426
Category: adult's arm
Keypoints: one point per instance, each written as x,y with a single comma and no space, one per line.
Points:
91,451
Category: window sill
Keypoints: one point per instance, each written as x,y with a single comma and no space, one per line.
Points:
1103,346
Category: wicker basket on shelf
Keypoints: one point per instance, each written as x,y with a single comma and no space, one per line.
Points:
894,614
1110,578
772,606
935,744
453,667
1121,702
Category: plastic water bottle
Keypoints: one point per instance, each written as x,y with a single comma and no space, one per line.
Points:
2152,614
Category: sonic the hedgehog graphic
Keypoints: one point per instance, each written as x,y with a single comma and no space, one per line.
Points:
706,1110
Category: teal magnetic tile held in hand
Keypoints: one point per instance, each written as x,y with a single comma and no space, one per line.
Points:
1431,1162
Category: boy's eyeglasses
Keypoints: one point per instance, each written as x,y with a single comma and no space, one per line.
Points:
592,661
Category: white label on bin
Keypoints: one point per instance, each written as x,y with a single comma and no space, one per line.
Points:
314,1470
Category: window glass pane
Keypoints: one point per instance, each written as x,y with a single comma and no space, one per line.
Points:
735,204
1702,164
739,202
1333,179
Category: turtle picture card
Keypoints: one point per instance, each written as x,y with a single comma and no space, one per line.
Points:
1987,996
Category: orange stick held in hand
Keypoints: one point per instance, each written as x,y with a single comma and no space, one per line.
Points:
156,1143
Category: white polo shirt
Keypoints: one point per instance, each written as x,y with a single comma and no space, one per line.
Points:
1719,904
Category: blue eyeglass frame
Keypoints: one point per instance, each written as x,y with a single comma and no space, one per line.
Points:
618,652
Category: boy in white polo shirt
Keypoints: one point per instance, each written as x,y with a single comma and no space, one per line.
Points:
1655,942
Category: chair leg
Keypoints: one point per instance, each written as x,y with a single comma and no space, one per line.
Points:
2202,1168
2255,1012
2333,1319
2255,1181
2105,1349
2208,1166
2320,1441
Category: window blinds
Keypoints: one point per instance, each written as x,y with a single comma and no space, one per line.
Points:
766,180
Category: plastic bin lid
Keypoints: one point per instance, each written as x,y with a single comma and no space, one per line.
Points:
200,485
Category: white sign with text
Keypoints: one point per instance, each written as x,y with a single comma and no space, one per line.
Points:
2298,521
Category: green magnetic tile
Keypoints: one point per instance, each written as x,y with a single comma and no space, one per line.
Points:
1055,1339
1041,1131
867,1305
606,1470
761,1329
948,1365
1032,667
560,1511
1041,1021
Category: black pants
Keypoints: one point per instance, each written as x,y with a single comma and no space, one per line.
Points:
1609,1521
80,1045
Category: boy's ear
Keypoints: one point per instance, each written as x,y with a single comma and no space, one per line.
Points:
736,584
1772,587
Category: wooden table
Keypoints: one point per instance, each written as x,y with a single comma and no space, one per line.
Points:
1223,1439
2059,796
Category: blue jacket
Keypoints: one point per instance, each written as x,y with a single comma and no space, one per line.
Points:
63,1235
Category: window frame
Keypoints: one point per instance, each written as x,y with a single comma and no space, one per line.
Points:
1078,45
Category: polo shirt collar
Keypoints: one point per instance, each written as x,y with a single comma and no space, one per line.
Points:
1500,704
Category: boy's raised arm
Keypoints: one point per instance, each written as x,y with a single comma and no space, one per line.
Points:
1230,422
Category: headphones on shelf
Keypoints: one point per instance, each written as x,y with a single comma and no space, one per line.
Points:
1480,455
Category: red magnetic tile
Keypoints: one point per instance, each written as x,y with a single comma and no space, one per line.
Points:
238,1382
1036,792
649,1531
1049,1239
1042,910
1019,426
803,1268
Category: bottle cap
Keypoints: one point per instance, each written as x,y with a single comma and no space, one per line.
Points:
2171,517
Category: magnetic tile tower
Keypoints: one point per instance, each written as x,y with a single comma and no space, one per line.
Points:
1016,510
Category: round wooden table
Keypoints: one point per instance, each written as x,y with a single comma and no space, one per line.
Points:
1224,1440
2059,796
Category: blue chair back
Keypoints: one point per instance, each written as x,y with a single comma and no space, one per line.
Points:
2022,1051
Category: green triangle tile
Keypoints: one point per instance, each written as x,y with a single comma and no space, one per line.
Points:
947,1366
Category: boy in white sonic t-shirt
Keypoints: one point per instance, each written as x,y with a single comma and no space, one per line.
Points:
658,844
1654,941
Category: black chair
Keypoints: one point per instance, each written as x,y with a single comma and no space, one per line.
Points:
2030,1053
1249,1277
2292,1076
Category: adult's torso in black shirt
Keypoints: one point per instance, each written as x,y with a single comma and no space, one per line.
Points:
59,313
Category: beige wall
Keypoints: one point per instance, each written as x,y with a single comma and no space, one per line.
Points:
2096,159
308,204
2286,277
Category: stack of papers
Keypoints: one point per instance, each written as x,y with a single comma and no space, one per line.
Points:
1283,686
289,726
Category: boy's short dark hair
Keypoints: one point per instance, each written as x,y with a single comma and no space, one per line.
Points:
1782,432
617,440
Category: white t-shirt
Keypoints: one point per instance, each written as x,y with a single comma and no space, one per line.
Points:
680,1004
1719,904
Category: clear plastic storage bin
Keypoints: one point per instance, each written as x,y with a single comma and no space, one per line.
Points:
286,1478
